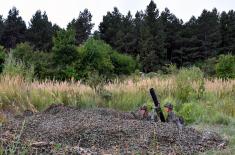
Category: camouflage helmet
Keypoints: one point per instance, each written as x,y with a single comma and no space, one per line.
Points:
144,107
168,105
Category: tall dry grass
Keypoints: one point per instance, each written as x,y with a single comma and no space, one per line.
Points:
126,95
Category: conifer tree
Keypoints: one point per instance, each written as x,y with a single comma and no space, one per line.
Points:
1,27
227,30
14,31
82,26
153,53
40,32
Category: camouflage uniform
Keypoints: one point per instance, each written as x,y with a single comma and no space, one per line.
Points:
171,117
143,114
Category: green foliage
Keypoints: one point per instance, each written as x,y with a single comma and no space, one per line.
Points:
12,67
219,118
208,67
2,58
14,29
23,52
65,53
67,61
1,26
41,61
64,47
40,32
123,64
152,51
191,112
99,57
184,81
95,80
227,30
95,56
225,68
82,26
172,69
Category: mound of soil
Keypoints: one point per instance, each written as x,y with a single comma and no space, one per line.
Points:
106,131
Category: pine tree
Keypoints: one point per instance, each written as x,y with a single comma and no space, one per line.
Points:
138,26
199,39
153,53
227,30
14,31
82,26
110,27
125,37
55,28
187,45
1,27
208,32
40,32
172,27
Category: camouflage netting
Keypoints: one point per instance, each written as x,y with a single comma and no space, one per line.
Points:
105,131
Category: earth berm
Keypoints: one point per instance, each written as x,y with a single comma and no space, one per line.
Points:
66,130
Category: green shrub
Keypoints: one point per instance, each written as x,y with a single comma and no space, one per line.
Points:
95,56
64,49
12,67
23,52
225,68
184,83
171,69
65,54
41,61
191,112
95,81
208,67
123,64
98,57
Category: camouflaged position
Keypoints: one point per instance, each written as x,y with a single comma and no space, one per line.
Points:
171,116
143,114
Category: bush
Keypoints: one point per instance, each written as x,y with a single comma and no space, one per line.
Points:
191,112
65,54
123,64
23,52
208,67
12,67
41,61
171,69
64,49
95,57
225,68
184,83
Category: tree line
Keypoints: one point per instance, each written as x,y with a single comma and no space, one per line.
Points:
151,37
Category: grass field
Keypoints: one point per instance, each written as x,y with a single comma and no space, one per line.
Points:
194,97
204,103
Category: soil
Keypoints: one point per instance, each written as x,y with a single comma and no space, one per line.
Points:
66,130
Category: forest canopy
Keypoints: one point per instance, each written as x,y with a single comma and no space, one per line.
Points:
148,41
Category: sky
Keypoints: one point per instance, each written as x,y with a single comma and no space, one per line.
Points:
62,12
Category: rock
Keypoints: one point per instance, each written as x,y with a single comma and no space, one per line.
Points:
40,144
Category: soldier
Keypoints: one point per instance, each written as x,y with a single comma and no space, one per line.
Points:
171,117
144,114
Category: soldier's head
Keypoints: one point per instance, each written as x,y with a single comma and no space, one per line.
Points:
168,107
143,111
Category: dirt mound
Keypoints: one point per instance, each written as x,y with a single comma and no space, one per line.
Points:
109,131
